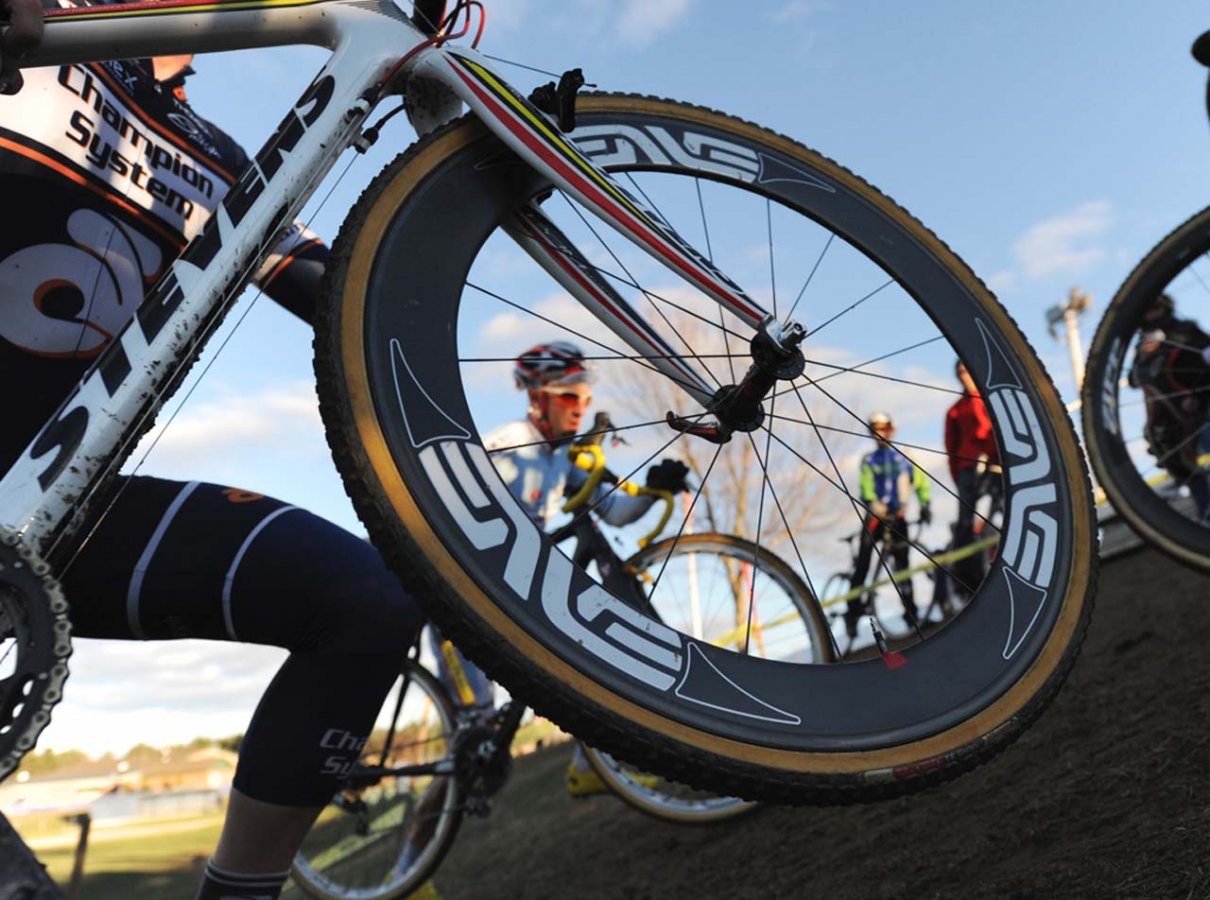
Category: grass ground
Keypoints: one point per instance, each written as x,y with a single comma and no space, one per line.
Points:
160,861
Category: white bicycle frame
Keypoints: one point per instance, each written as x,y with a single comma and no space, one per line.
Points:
43,494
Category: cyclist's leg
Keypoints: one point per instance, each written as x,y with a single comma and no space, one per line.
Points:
966,483
968,571
174,560
871,531
902,547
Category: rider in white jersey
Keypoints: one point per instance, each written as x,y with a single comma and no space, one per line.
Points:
531,457
531,454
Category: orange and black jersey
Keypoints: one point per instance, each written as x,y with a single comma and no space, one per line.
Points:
105,175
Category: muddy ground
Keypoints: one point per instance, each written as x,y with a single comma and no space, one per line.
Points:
1107,796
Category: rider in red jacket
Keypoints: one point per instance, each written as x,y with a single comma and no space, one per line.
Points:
970,445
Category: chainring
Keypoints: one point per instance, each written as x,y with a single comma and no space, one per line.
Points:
35,642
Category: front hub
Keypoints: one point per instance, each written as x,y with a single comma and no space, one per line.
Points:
740,407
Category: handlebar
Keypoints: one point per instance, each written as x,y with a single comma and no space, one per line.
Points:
591,459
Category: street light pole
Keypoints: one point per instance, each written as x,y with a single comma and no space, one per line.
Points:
1069,314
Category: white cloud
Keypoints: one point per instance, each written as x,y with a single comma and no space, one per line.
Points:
1066,243
640,22
1002,281
277,416
122,693
797,10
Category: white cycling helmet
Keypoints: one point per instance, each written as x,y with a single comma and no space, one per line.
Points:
552,364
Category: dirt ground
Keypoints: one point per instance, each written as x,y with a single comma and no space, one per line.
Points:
1107,796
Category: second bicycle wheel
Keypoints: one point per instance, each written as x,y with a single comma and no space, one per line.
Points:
385,832
709,586
429,302
1146,396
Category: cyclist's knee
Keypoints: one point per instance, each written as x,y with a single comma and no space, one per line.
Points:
321,588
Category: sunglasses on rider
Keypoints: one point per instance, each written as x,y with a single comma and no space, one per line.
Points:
571,398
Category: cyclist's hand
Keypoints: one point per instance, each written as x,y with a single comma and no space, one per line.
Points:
878,508
668,475
926,514
24,32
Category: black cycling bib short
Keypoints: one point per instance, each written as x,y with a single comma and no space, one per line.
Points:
105,173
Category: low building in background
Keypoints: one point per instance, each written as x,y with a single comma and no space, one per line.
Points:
177,785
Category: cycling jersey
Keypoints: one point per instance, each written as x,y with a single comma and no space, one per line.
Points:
1172,368
112,172
888,477
539,474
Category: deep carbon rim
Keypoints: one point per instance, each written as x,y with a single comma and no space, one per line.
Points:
1040,581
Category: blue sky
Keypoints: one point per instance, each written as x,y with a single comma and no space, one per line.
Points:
1051,144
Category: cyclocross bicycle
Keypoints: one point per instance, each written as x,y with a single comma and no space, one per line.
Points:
632,222
1148,439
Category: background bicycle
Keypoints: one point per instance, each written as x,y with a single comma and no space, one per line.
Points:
873,613
1146,396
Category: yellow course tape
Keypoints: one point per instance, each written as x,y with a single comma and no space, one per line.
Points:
940,560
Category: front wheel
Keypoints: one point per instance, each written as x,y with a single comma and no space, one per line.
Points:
429,299
383,835
1146,396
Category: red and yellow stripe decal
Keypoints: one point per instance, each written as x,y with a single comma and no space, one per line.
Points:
168,7
536,133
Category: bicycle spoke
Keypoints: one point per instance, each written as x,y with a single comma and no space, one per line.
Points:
815,268
570,331
685,520
856,370
760,517
772,271
590,507
610,430
886,284
933,478
630,357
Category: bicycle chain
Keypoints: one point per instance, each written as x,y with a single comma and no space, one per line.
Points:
36,622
